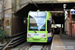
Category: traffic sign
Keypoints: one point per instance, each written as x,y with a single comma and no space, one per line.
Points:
73,12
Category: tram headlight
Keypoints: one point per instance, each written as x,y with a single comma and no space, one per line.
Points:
29,35
44,35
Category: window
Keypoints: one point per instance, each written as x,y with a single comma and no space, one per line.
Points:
37,21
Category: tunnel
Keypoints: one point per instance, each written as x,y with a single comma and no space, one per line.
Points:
55,9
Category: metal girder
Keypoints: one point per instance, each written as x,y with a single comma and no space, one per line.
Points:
51,1
56,11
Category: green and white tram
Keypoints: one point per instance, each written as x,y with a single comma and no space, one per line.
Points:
38,26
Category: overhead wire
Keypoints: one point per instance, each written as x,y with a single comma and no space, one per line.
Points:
35,4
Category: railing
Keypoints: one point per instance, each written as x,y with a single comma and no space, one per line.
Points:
15,40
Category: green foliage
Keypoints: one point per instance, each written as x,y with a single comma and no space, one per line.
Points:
2,34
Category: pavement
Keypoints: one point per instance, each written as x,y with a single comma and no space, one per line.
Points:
63,42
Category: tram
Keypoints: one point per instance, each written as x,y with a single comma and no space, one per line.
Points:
39,26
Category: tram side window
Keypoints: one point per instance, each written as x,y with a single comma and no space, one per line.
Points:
48,26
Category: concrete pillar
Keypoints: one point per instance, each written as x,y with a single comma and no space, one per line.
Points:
0,10
7,18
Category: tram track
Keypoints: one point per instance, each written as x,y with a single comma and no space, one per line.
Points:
43,46
36,46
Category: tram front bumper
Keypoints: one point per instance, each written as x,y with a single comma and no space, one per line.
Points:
36,40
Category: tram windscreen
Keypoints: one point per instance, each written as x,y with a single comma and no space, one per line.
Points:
37,21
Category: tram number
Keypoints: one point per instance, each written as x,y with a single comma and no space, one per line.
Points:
36,34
